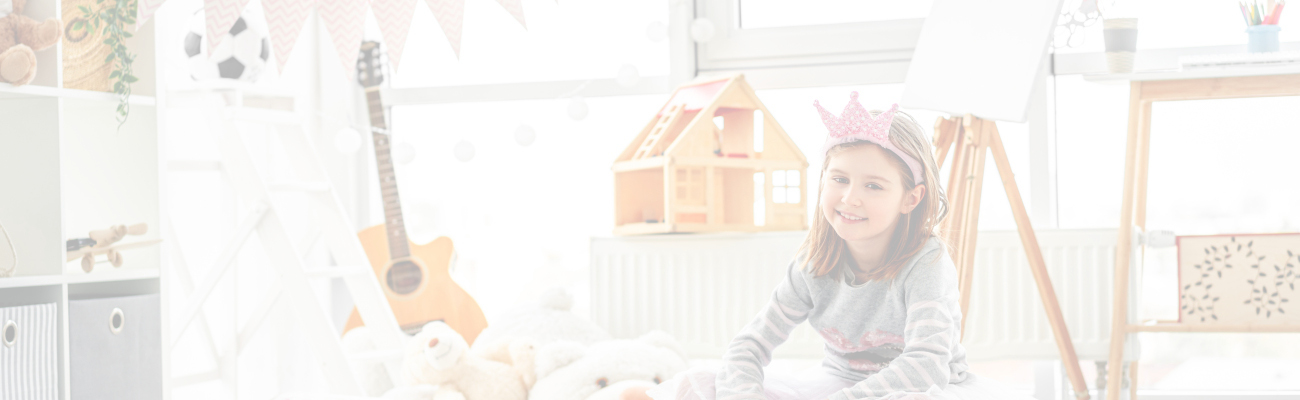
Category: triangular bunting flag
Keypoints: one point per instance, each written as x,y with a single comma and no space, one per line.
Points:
450,15
394,17
344,19
285,18
219,16
144,10
515,8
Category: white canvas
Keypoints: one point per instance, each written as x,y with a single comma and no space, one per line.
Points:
980,57
1241,279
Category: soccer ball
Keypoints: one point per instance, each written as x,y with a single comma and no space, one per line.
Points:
242,54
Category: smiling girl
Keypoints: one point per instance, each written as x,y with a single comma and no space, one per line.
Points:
873,278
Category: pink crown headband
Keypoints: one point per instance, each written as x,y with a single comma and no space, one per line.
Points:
856,124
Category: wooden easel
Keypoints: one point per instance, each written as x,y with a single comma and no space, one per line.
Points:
971,136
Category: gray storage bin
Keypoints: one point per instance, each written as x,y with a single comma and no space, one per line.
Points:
116,349
29,352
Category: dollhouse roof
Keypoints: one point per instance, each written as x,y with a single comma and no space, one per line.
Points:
700,101
695,97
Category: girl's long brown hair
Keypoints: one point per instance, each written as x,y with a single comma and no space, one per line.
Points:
825,249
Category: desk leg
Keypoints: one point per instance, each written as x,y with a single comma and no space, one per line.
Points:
1135,169
1133,380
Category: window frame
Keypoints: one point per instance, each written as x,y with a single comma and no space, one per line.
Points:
813,50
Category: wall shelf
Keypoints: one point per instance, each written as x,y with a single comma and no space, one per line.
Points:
25,91
72,279
68,167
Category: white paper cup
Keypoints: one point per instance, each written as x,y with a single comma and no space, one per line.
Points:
1121,44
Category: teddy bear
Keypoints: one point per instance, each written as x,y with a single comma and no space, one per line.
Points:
20,37
621,369
549,321
439,356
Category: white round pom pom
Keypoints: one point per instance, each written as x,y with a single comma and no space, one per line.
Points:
656,32
525,135
702,30
404,153
628,75
347,140
464,151
577,109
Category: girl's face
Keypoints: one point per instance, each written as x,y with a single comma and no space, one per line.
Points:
863,195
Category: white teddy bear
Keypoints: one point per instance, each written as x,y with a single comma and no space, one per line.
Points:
439,356
552,319
549,321
608,370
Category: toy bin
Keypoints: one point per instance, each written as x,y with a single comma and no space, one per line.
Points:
29,362
116,350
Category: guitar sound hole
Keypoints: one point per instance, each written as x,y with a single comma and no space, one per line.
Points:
404,277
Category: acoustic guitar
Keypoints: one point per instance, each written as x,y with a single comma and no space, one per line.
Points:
415,277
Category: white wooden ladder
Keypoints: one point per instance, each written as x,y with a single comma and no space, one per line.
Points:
251,185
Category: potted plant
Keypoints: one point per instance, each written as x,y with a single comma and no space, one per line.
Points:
109,20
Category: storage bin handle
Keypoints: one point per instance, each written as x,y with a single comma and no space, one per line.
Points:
116,320
10,333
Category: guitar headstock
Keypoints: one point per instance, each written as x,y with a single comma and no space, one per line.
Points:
370,65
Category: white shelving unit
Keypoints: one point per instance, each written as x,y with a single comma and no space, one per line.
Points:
67,168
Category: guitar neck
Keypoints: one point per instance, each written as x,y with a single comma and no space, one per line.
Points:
394,225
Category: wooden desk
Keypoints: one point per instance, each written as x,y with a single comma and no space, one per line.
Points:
1147,88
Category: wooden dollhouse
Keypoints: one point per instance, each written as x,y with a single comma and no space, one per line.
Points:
712,159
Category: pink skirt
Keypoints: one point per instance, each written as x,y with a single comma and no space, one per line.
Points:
817,383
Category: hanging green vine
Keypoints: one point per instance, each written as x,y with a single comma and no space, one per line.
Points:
111,18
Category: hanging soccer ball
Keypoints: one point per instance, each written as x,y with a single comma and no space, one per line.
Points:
241,55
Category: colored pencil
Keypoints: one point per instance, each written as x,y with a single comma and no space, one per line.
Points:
1261,13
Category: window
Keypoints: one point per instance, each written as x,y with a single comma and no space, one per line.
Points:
560,43
785,187
690,186
755,14
758,35
760,199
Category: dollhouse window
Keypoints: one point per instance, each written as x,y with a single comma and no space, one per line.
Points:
785,187
758,131
690,186
760,201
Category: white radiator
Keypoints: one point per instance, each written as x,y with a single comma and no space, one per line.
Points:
703,288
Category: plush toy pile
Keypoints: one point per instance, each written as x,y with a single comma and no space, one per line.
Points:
543,352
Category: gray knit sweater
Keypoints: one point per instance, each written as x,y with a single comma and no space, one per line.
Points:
888,337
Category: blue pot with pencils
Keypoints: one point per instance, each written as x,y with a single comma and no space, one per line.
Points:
1262,38
1261,24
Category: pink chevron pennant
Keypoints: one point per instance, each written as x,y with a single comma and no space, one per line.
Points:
515,8
345,20
220,15
451,16
394,17
144,10
284,19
